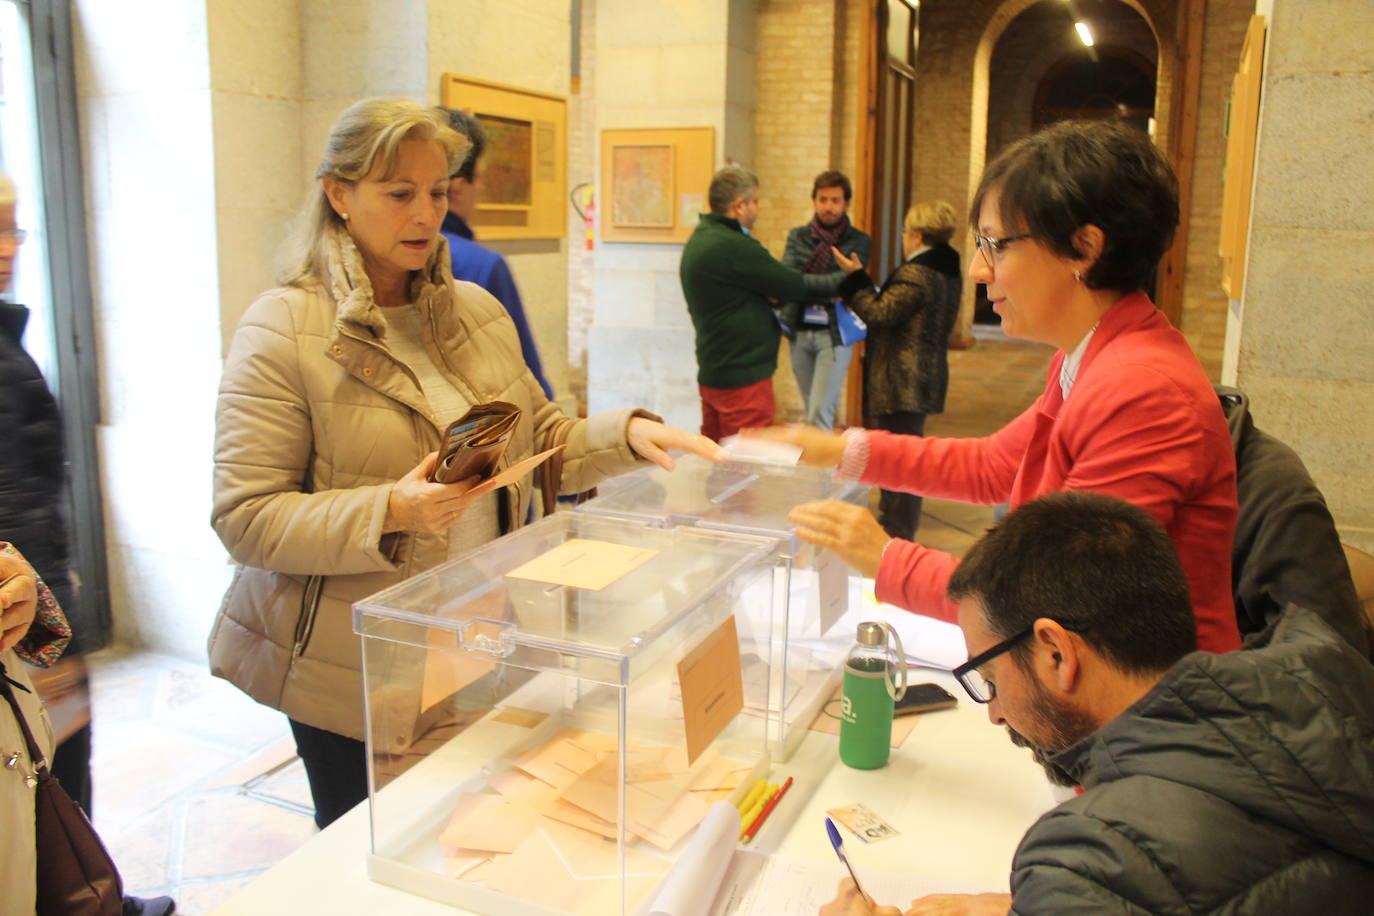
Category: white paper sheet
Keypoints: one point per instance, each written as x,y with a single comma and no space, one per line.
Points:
701,866
761,451
757,884
925,639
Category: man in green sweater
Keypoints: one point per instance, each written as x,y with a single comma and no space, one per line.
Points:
728,279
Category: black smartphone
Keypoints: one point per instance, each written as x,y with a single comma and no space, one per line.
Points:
924,698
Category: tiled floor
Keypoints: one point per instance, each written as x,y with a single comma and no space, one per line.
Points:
173,750
179,756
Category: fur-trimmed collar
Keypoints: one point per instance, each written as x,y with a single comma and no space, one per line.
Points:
351,289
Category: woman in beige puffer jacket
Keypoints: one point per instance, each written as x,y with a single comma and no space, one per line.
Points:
325,432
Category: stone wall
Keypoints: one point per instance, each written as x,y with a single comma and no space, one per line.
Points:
1302,327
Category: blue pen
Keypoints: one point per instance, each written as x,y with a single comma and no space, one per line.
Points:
839,851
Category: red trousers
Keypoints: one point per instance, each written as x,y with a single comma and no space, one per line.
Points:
726,411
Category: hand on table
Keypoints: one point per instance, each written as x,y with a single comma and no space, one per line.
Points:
651,440
419,504
849,530
819,448
849,902
18,600
847,263
961,905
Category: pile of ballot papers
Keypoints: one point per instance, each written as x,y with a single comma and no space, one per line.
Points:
545,828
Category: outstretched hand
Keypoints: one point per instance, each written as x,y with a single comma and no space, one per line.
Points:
651,440
849,530
847,263
819,448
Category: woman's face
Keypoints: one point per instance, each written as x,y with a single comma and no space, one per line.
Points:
1029,286
395,222
9,245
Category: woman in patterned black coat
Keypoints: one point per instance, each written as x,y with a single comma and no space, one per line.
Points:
906,370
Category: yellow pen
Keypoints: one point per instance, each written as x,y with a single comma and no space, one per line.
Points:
752,796
757,809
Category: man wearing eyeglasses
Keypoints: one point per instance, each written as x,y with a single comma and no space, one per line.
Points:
1237,783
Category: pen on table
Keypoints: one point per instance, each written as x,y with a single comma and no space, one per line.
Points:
767,810
756,809
839,851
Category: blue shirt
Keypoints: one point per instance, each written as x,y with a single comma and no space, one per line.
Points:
477,264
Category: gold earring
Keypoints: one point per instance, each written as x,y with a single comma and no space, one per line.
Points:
345,216
1077,275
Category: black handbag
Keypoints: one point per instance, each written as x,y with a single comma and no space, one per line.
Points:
76,876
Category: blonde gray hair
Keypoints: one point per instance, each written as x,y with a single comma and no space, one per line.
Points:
365,139
9,195
933,220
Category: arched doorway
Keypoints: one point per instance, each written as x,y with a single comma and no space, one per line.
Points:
1039,72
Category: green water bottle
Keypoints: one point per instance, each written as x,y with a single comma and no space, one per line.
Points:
872,672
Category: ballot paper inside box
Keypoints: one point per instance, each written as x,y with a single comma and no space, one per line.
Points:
545,721
808,626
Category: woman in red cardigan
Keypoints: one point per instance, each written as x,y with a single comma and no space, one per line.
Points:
1070,225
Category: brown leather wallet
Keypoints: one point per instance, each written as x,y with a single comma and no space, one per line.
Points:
475,442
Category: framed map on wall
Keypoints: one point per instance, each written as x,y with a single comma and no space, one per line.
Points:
525,164
654,182
642,186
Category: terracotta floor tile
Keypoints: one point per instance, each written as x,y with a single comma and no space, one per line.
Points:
219,712
277,752
143,851
139,766
228,834
201,897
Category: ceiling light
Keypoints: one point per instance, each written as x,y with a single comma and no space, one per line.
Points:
1084,33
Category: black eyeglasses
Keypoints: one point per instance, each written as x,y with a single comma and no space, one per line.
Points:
991,248
984,691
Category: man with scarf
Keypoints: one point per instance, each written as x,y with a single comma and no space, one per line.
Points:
819,358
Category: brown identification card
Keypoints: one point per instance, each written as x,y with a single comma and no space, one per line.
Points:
712,687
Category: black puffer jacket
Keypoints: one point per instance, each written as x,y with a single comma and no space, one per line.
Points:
1241,783
1286,550
31,462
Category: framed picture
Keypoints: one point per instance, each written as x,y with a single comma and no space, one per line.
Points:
524,166
654,182
642,186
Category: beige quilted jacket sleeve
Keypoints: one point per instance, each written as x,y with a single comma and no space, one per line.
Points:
263,437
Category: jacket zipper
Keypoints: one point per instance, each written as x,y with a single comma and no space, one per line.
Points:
305,623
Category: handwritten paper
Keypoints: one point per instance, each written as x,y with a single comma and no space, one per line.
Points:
583,563
712,687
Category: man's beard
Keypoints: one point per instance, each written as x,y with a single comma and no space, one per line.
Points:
1060,727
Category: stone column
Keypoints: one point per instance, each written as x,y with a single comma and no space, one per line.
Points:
1298,340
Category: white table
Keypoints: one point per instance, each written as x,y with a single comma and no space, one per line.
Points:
960,794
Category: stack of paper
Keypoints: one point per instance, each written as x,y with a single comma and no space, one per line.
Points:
553,814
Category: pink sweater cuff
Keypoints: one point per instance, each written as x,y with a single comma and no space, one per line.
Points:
855,458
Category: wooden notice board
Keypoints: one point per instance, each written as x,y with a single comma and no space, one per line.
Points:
525,165
1242,125
654,182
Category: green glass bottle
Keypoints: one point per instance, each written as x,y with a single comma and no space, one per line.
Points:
868,695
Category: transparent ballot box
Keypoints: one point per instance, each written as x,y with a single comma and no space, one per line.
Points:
812,626
550,716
